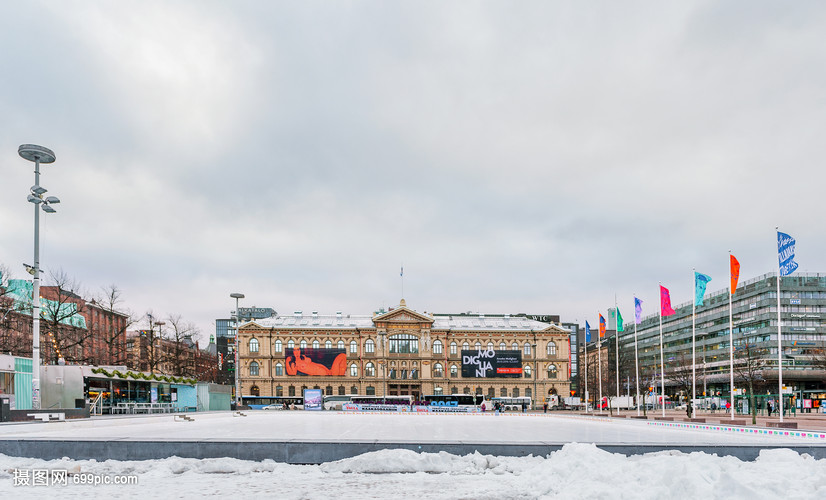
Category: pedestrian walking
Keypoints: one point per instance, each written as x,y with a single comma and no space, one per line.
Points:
545,407
689,409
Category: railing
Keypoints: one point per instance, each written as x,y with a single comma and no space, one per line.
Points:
97,405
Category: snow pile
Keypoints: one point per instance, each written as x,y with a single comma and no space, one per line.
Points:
576,471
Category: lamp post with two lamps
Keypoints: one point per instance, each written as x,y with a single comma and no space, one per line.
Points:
237,296
38,155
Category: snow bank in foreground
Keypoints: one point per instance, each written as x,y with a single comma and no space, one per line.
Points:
576,471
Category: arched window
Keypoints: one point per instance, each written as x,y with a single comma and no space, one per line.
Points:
491,392
527,349
291,344
279,369
253,369
354,370
527,371
551,371
477,346
369,370
328,390
516,392
403,343
340,345
341,390
437,347
303,344
291,390
328,345
514,346
490,346
551,349
369,346
528,393
465,346
278,346
502,346
438,370
369,391
354,347
255,391
253,345
354,390
279,390
454,390
466,390
503,393
316,345
453,348
454,371
437,390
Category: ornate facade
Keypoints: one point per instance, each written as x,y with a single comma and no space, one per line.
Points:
403,352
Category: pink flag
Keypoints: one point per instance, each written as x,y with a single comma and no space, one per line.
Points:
665,302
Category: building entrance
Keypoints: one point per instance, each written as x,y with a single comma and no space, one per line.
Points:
414,390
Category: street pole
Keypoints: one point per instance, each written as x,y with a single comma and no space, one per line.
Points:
237,297
37,154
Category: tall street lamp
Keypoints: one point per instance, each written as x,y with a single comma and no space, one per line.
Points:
37,154
237,296
535,375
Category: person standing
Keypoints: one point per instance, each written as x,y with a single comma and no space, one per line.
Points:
545,407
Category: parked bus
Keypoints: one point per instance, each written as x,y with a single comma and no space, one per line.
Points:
288,402
382,400
513,404
335,402
453,399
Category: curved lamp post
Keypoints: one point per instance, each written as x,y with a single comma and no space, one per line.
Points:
38,155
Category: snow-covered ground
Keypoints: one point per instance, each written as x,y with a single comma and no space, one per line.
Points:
579,470
576,471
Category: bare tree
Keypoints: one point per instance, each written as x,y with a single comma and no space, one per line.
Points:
750,361
182,355
152,354
113,334
61,325
682,373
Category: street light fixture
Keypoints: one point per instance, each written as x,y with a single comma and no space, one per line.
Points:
38,155
237,296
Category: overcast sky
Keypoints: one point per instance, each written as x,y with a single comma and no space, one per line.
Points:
534,157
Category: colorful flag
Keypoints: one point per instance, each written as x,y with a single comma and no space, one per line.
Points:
601,326
735,273
665,302
587,332
616,317
700,282
637,311
785,254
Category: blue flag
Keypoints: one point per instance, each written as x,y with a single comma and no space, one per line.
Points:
700,282
587,332
785,254
637,311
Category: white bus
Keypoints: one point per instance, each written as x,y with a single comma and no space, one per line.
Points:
335,402
513,404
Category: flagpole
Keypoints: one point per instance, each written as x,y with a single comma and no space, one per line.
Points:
636,356
616,345
401,274
779,340
599,364
731,342
662,363
586,367
693,346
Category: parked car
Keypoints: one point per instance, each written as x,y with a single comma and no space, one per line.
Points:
276,406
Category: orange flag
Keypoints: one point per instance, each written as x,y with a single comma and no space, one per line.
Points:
735,273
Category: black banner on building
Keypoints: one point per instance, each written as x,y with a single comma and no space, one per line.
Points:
491,364
316,362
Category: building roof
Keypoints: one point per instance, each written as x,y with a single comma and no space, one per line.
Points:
459,322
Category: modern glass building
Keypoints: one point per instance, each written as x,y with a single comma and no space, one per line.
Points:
803,308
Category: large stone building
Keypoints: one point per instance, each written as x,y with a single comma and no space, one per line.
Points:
402,352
